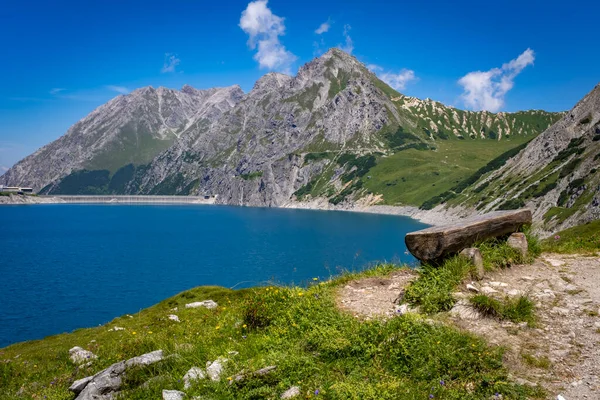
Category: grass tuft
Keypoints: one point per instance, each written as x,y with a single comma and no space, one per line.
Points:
516,310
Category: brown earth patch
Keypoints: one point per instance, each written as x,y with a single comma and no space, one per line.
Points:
375,297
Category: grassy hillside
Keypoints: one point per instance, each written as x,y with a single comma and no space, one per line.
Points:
326,352
582,239
412,176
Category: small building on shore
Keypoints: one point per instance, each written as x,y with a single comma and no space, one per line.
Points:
16,189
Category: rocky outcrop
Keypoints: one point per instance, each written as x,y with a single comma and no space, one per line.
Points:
556,175
106,383
129,129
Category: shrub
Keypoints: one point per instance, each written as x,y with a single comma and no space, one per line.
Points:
516,310
512,204
433,290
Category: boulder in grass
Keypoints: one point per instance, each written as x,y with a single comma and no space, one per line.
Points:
80,356
292,392
194,374
172,395
206,304
474,256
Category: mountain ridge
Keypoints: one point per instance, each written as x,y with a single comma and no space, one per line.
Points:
316,134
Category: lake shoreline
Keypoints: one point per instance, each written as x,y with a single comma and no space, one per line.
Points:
436,216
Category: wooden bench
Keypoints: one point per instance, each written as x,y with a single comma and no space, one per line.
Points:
435,243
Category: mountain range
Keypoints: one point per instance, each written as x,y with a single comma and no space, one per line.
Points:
333,132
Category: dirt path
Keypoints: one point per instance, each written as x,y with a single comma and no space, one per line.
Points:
561,352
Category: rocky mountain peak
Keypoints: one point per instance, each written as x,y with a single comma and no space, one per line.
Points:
272,80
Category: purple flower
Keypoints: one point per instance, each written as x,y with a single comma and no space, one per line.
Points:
442,383
557,237
431,396
316,392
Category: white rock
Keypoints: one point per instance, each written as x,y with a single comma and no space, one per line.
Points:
174,317
145,359
206,303
193,374
498,284
488,290
116,328
291,392
514,293
79,355
560,311
80,384
472,288
403,309
215,369
559,397
463,310
233,353
172,395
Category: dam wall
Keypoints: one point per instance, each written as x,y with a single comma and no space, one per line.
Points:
133,199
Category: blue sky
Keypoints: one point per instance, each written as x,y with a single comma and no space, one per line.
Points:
62,59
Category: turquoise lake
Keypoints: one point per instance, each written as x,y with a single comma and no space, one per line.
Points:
64,267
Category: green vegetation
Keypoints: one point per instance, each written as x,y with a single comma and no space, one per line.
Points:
580,239
517,310
300,330
512,204
496,163
536,362
136,145
412,176
83,182
251,175
432,292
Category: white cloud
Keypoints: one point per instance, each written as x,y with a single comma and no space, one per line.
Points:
324,27
485,90
397,80
348,46
118,89
170,64
3,168
263,29
57,90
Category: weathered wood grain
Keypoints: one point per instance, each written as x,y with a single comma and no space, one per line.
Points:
437,242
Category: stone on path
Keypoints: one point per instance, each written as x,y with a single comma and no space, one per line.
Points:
472,288
206,303
291,393
172,395
79,355
193,374
518,241
488,290
474,256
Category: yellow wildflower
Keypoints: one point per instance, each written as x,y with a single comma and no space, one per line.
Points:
133,333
